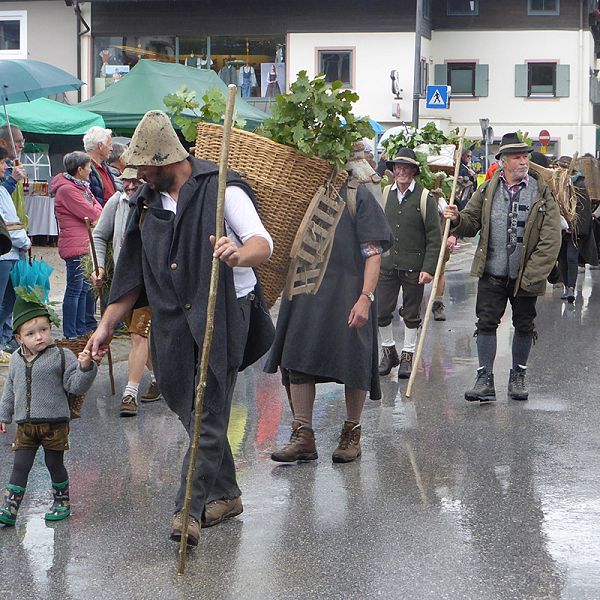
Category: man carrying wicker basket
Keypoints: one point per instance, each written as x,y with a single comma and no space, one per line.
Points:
165,262
519,225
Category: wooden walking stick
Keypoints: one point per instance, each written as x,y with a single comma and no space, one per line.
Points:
209,328
438,270
101,296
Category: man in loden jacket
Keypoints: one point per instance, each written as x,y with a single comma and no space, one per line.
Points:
519,225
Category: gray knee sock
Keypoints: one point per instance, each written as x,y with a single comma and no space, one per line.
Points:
486,351
521,346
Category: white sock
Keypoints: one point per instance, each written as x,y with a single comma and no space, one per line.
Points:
410,340
152,378
131,389
387,335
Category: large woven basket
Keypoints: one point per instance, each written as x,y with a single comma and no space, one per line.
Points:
284,182
590,167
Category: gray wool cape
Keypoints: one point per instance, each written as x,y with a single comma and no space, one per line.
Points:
312,334
167,257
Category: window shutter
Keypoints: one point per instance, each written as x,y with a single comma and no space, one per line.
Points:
440,74
482,78
521,81
563,80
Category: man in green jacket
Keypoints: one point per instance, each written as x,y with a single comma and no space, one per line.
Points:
520,236
412,213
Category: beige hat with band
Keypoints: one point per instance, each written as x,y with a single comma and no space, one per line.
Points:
129,173
154,143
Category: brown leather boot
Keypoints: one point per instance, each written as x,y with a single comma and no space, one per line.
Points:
300,447
349,444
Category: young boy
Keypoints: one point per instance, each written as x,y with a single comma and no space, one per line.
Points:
39,377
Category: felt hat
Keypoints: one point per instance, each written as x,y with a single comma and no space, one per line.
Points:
24,311
540,159
129,173
404,156
511,144
154,143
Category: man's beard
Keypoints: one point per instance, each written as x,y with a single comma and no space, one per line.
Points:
164,182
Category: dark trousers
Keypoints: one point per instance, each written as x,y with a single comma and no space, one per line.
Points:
492,296
388,288
568,261
215,468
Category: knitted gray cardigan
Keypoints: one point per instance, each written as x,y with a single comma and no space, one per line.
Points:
36,392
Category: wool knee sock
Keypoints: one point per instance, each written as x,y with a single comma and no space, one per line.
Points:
387,335
303,400
355,400
131,389
521,346
486,351
410,340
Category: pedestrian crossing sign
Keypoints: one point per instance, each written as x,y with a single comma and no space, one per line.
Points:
438,96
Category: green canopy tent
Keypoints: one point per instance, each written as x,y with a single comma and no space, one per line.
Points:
124,103
47,117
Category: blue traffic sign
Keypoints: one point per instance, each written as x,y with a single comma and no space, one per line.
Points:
438,96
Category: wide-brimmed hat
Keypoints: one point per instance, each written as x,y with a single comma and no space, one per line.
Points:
512,144
404,156
154,143
25,310
129,173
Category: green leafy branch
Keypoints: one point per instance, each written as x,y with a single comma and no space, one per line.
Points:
183,102
36,295
316,118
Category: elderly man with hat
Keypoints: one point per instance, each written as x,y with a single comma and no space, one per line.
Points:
519,225
412,213
165,262
110,229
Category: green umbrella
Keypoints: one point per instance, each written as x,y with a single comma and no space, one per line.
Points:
26,80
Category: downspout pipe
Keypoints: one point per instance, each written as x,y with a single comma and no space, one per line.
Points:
80,34
581,76
417,72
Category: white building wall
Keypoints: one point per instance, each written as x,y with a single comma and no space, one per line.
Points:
376,55
503,50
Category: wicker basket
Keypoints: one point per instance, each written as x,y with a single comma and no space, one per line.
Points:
75,345
590,168
284,182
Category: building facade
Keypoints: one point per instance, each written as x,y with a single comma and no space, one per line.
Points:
523,64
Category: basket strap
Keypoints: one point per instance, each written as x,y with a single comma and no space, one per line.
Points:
423,203
63,364
351,192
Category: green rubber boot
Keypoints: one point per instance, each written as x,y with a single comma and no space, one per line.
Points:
61,507
13,495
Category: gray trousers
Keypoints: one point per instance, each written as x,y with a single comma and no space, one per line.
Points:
214,476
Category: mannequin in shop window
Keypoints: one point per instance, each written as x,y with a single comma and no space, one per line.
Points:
191,60
203,64
247,80
279,54
273,88
229,73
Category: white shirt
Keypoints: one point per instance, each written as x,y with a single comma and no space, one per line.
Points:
401,195
241,223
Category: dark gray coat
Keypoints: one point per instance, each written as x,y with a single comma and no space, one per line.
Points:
168,258
312,334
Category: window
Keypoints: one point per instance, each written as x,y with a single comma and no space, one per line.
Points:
461,79
36,161
337,66
462,7
424,76
13,34
542,80
467,79
543,7
427,9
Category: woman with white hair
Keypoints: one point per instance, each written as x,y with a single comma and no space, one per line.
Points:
97,142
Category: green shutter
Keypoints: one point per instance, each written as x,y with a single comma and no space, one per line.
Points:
521,81
563,80
482,78
440,75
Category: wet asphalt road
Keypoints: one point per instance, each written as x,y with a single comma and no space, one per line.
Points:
449,500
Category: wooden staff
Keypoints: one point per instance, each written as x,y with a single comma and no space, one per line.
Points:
438,271
101,296
209,328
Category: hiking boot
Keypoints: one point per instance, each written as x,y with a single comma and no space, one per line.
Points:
389,359
13,496
61,507
349,444
483,390
153,394
193,532
405,365
438,311
128,406
517,386
300,447
218,510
